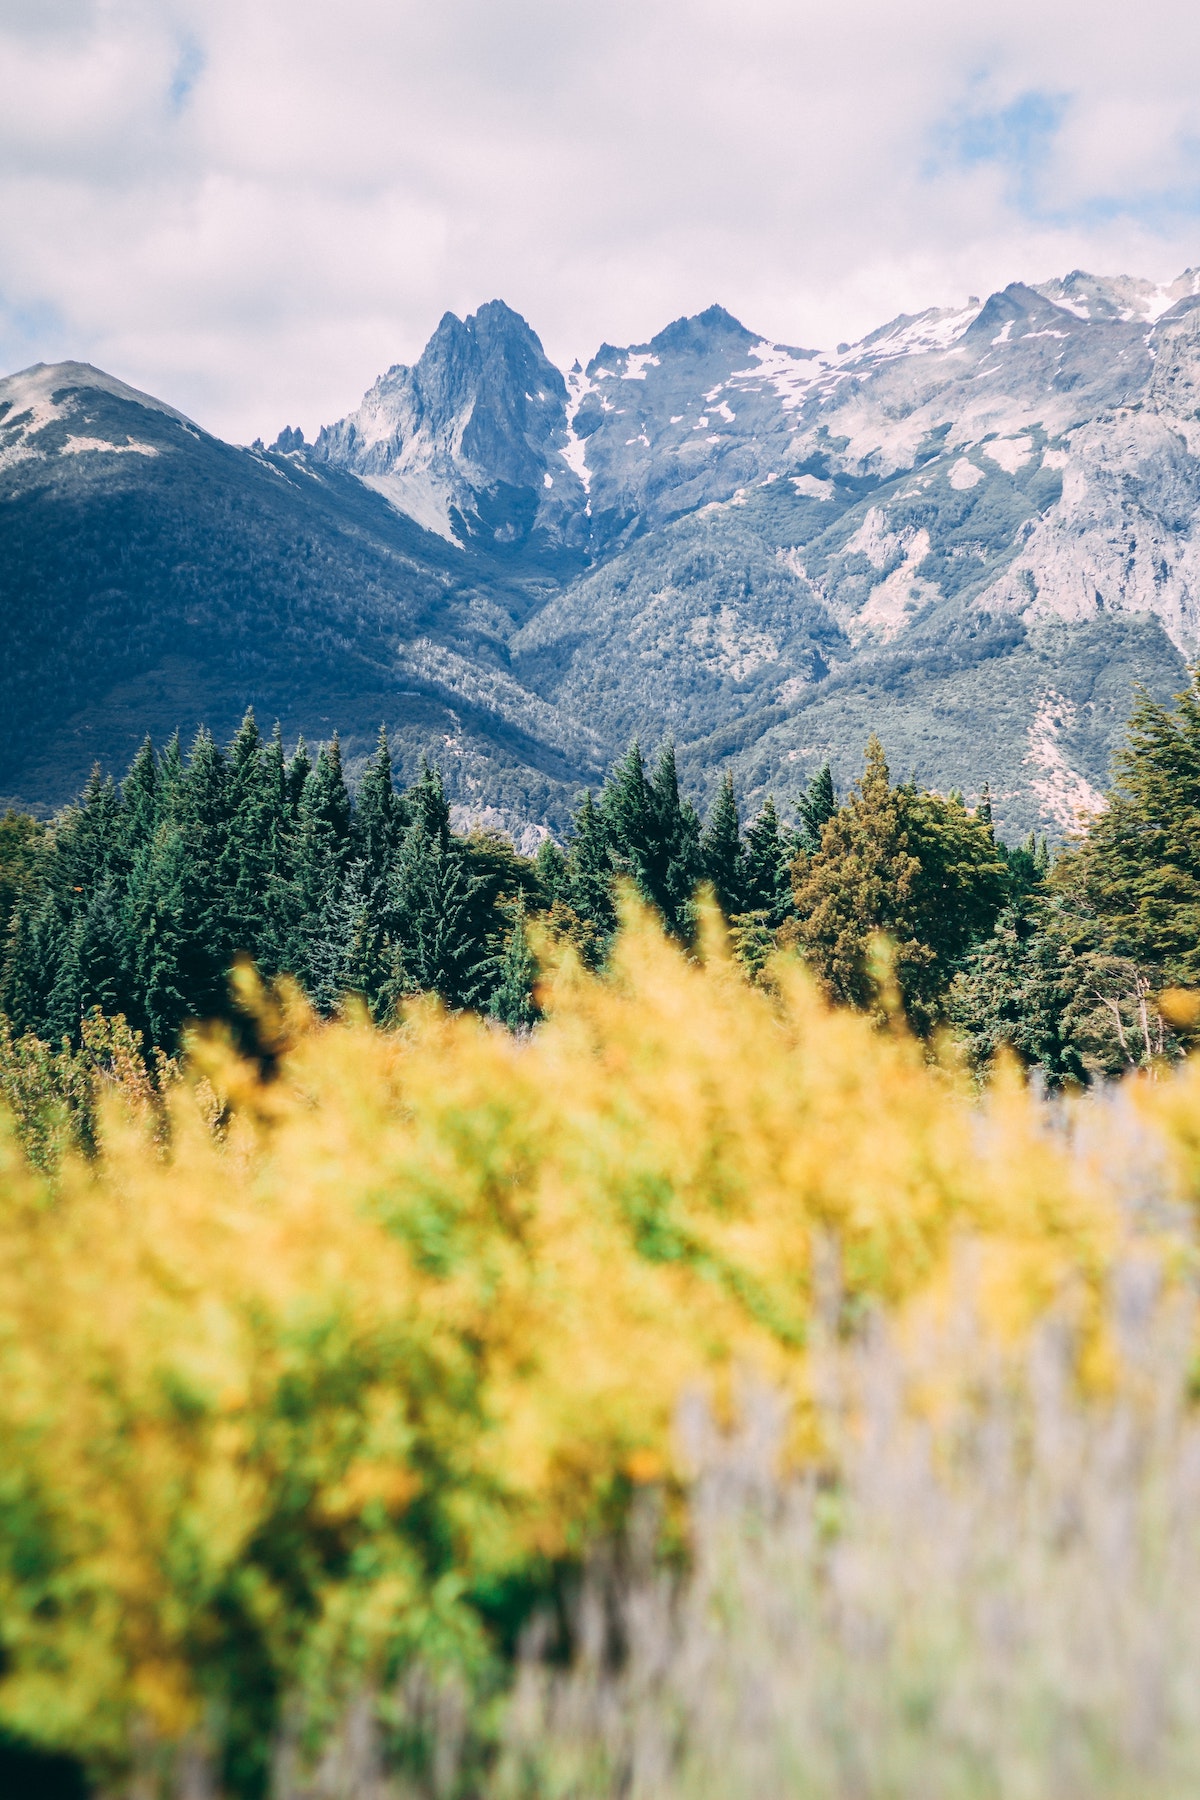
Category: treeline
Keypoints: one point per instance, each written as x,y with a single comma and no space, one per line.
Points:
137,900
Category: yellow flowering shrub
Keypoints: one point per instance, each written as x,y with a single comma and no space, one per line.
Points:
385,1322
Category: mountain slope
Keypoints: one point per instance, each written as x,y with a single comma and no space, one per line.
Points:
972,531
153,577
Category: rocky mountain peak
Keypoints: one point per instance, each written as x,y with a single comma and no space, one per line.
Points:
466,439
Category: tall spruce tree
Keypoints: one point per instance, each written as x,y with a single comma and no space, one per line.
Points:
512,1001
1020,990
628,811
815,807
430,907
591,858
322,854
23,847
769,852
677,865
1133,880
140,799
379,814
722,854
246,860
298,771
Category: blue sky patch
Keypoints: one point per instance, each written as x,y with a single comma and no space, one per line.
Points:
189,65
1017,138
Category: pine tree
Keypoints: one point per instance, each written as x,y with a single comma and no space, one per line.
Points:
1020,990
23,847
171,775
589,873
298,772
246,859
322,853
167,911
280,910
378,814
430,906
628,811
183,944
676,865
36,941
552,872
140,799
91,968
1134,877
350,952
512,1001
769,852
815,807
722,854
426,804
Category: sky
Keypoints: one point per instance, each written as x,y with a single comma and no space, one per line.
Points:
251,207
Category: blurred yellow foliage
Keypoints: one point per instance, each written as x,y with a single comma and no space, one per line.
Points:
283,1391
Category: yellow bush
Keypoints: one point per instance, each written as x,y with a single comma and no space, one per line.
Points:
281,1397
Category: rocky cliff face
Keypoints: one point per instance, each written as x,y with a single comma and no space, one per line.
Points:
466,441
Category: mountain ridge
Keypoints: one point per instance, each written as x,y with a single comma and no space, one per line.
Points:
973,531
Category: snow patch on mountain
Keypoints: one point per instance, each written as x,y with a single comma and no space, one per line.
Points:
76,446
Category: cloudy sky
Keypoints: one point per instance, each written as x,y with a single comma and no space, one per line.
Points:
250,207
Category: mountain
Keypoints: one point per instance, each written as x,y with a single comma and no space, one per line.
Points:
152,577
468,441
972,531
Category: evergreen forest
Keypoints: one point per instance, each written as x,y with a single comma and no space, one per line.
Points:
137,901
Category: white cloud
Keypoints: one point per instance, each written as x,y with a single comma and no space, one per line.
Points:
251,210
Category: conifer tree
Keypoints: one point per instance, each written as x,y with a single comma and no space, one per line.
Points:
245,870
590,866
174,976
676,865
378,814
279,910
815,807
91,968
552,873
1020,990
722,853
171,775
140,799
769,851
426,804
322,852
512,1001
184,941
628,811
23,849
350,952
1134,877
36,942
298,771
918,869
430,905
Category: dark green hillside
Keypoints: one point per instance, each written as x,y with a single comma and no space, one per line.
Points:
162,577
